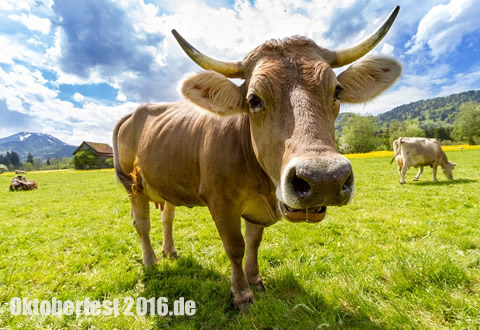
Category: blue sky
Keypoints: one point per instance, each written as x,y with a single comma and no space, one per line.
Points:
73,68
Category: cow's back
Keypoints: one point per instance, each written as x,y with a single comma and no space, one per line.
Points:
420,151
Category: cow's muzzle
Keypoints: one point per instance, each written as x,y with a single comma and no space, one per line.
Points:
308,186
311,215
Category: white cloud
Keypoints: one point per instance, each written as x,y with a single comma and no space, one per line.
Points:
78,97
22,5
461,82
443,27
387,49
93,122
24,91
13,49
6,6
21,87
33,22
121,97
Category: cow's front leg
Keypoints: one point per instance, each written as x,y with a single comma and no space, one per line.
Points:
434,170
229,228
253,235
141,222
420,171
168,213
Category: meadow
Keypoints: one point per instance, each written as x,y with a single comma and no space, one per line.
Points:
396,257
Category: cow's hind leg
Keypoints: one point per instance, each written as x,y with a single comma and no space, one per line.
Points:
253,235
168,213
229,227
403,172
420,171
141,222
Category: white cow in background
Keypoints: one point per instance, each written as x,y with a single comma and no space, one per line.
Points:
420,152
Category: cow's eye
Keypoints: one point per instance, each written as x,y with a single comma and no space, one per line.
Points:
255,103
336,94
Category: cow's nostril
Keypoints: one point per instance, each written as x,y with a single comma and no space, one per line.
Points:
348,185
301,187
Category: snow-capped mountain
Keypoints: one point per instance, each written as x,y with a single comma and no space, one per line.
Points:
41,145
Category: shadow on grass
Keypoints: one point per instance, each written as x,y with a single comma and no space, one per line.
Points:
444,183
185,277
285,304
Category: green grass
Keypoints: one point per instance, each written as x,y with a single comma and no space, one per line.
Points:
397,257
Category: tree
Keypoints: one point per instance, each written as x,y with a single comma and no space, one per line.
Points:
441,133
66,163
84,159
37,163
13,159
109,162
406,128
359,135
28,166
4,160
30,158
467,123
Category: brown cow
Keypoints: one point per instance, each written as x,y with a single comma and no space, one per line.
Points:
420,152
21,183
263,150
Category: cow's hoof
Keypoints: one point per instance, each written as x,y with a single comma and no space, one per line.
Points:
415,179
149,259
402,182
148,262
244,308
170,255
259,286
242,302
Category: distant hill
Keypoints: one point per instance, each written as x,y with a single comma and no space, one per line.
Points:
430,113
436,112
41,145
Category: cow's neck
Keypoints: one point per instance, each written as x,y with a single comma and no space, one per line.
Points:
251,161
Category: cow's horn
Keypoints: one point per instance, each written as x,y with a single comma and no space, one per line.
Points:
348,55
228,69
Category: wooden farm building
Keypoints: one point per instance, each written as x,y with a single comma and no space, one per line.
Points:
102,152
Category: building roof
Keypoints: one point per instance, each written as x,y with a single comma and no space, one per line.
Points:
102,149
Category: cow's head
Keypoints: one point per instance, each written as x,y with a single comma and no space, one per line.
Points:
292,97
447,169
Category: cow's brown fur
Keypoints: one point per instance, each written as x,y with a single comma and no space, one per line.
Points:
239,164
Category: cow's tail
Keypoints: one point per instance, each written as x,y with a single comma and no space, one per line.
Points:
400,141
398,152
125,179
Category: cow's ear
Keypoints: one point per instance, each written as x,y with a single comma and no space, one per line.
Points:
366,79
214,92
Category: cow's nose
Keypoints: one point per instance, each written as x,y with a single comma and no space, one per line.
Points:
300,186
348,185
320,181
